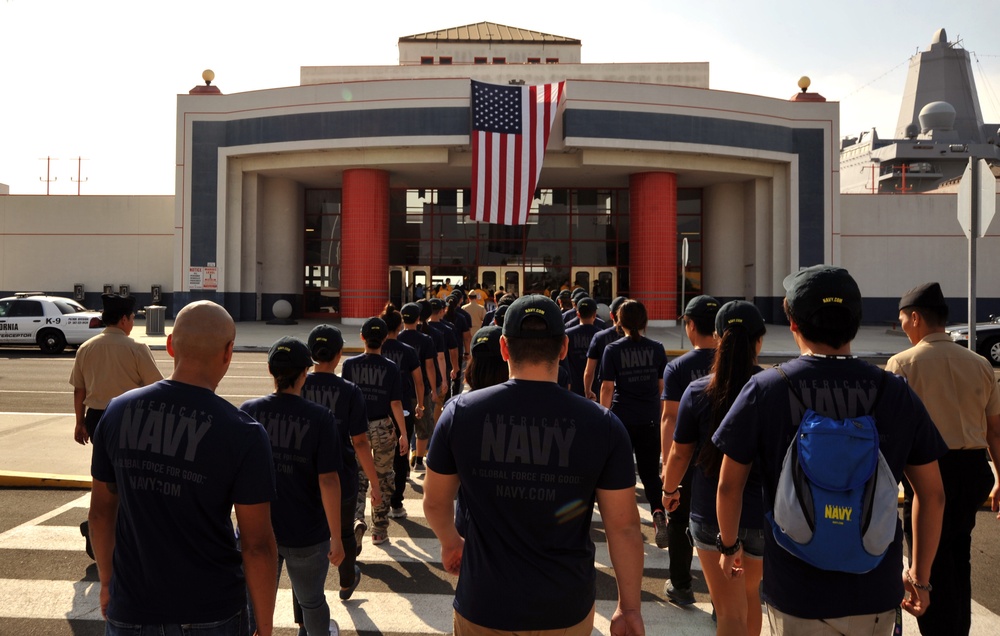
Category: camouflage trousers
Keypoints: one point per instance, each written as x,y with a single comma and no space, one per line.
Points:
385,445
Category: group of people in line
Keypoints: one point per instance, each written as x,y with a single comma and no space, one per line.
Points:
513,465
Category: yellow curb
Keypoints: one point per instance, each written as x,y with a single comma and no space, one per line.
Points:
18,479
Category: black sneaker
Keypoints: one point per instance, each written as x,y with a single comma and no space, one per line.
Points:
678,595
346,594
660,526
360,528
85,531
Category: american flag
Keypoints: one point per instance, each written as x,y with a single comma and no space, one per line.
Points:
510,129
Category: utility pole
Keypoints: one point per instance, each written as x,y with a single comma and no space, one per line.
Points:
48,173
79,160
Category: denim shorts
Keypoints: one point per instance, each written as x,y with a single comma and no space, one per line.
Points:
703,535
237,625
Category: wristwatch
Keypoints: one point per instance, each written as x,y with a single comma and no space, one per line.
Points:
730,550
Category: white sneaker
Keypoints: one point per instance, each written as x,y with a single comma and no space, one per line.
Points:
397,513
334,628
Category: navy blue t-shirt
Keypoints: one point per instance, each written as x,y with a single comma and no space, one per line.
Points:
635,366
305,445
530,459
181,457
695,426
451,338
440,347
576,358
347,403
405,359
758,429
682,371
424,346
379,381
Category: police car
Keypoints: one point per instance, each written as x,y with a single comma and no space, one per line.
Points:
51,322
987,338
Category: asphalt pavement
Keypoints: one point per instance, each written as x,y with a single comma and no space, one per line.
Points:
35,455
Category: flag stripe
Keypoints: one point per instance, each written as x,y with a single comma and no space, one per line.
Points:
511,127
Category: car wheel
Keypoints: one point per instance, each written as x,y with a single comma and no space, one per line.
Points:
51,341
991,351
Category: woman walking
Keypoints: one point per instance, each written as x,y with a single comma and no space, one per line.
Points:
739,329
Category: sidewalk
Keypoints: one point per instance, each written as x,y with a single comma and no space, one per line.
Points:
876,343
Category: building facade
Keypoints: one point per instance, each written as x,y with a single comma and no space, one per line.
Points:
353,187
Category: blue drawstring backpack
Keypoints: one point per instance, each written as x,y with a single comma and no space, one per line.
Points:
835,504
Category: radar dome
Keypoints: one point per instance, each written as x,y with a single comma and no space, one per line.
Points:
937,116
912,130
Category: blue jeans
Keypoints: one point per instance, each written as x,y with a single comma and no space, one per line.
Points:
703,537
237,625
307,569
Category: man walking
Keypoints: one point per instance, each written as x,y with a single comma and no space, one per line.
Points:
527,560
960,391
823,305
170,462
106,366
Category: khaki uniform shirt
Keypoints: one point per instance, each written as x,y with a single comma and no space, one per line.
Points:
477,312
956,385
110,364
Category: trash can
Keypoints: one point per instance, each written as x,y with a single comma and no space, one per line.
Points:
154,320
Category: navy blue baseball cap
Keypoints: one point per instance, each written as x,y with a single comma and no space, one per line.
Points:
813,288
486,342
374,327
739,313
289,353
533,305
325,341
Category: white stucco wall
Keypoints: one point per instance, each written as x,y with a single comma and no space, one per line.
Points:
892,243
50,243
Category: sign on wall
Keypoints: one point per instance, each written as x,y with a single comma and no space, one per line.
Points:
203,277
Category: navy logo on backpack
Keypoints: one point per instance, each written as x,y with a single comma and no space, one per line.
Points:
835,505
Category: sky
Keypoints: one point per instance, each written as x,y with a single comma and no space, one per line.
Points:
98,79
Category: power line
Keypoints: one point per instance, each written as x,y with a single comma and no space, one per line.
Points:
867,84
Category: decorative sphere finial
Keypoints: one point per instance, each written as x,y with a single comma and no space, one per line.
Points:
804,83
208,75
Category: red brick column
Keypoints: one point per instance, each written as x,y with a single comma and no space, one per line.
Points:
364,244
653,239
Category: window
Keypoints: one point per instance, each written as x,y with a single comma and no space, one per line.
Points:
499,60
26,309
552,60
426,59
479,60
444,60
534,60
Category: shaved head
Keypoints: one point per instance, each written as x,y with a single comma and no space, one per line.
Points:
202,330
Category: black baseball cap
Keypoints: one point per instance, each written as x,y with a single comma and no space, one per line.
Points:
616,303
410,312
533,305
374,327
325,341
702,307
739,313
586,306
290,353
928,295
436,304
565,294
486,342
813,288
499,314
